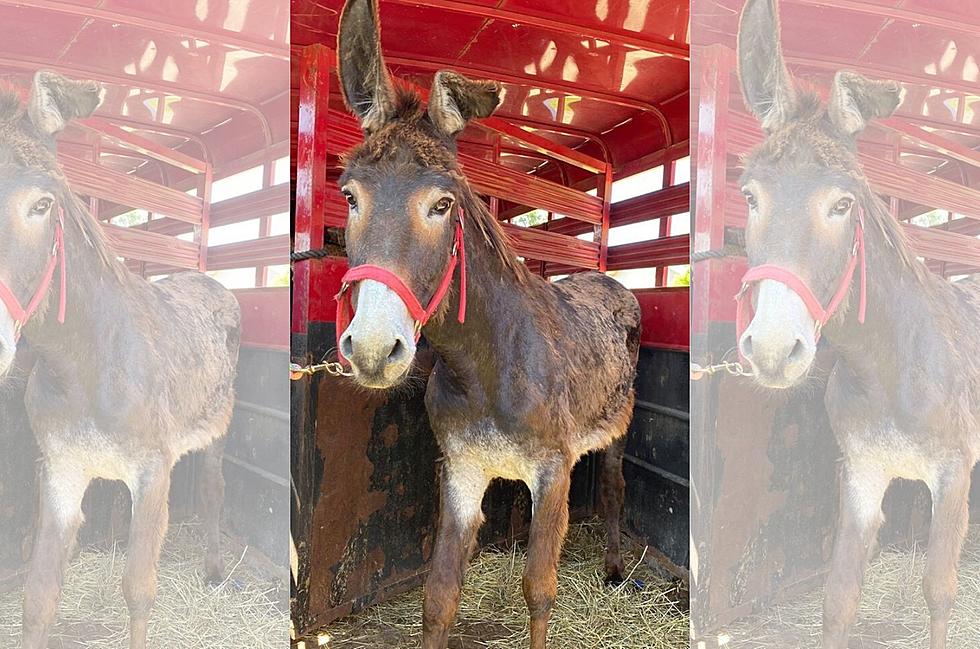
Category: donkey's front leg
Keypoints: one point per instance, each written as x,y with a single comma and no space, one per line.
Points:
62,490
146,533
950,517
460,517
861,492
549,524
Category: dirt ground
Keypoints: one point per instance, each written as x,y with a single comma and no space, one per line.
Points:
249,610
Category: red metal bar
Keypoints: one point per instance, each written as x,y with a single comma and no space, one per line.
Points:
204,192
668,177
716,68
127,189
315,64
619,99
602,229
32,64
530,18
158,22
141,145
933,141
542,144
932,18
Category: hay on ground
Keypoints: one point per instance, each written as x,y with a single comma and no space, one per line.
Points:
648,611
246,611
893,613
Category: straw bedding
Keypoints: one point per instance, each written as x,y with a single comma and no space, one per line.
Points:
893,613
247,611
648,611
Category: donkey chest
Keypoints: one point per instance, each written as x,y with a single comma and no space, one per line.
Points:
485,448
87,451
897,453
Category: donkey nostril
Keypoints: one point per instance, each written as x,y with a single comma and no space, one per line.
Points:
796,354
347,345
746,346
398,352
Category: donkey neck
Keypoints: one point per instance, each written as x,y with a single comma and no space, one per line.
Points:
900,347
497,304
95,309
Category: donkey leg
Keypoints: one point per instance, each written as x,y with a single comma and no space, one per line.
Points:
460,517
860,518
60,517
612,489
212,502
549,524
950,517
146,534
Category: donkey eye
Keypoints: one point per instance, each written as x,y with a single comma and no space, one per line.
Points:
442,206
349,197
42,207
842,207
750,198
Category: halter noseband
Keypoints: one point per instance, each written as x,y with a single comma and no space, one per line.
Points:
821,314
21,314
457,256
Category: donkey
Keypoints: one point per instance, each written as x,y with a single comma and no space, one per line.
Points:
529,375
826,257
129,375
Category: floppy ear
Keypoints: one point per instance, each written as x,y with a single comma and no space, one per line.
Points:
364,78
766,83
855,101
55,100
454,100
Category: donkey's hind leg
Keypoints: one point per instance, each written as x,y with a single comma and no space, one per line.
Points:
60,516
950,517
861,492
146,534
549,524
612,490
460,517
212,502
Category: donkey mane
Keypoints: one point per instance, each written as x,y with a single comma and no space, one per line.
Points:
77,214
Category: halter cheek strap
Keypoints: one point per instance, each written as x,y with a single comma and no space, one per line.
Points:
421,315
821,314
21,314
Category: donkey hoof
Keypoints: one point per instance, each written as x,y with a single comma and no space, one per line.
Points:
614,579
215,573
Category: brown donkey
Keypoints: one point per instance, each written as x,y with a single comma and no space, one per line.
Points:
529,375
129,375
826,256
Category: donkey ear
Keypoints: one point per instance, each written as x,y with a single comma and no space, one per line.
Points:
55,100
454,100
766,83
364,78
855,101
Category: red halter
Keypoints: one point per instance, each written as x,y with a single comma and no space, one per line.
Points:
820,313
457,256
21,314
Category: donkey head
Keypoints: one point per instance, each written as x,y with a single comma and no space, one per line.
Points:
403,187
31,187
804,191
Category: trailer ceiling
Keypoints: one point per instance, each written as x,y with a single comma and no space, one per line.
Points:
186,75
594,75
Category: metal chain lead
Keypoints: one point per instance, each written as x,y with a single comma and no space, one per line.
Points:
333,368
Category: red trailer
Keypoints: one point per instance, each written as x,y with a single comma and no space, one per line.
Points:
762,482
586,164
186,164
